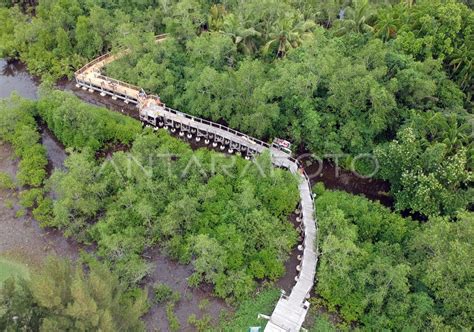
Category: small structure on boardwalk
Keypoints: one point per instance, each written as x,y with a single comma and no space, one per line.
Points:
290,311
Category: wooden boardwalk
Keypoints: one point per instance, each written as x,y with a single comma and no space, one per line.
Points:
290,311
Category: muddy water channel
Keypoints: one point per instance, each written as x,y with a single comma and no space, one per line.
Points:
21,237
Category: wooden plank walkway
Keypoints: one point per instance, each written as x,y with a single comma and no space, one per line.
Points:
290,311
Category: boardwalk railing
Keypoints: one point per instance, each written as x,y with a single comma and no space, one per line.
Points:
109,54
290,311
222,127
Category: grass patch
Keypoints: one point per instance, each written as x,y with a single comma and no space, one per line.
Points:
10,268
246,314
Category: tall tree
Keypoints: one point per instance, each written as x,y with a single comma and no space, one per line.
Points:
63,297
444,264
288,33
355,18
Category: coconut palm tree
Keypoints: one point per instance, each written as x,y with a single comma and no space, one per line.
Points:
328,11
355,18
462,67
246,39
447,128
215,20
288,33
389,22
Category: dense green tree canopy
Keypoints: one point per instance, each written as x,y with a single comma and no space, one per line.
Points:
337,90
80,125
427,172
18,127
226,216
202,208
439,29
385,271
392,79
63,297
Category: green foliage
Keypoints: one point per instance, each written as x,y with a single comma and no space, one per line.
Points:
9,32
201,207
78,194
28,198
341,91
63,297
343,94
358,17
202,324
173,321
348,225
79,125
43,212
429,168
21,212
379,79
6,181
185,18
322,323
18,127
32,168
63,35
10,268
246,314
384,271
163,292
439,29
442,256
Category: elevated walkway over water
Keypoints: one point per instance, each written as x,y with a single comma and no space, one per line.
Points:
290,311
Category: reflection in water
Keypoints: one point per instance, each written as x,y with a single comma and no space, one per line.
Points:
14,77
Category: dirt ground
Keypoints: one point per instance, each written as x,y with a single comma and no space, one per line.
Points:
176,276
22,238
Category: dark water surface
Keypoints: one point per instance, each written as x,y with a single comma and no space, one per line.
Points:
14,77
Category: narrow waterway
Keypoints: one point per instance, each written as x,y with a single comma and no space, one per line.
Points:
21,236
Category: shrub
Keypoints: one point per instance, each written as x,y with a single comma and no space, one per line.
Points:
43,213
173,321
20,213
6,181
18,127
162,292
202,324
32,170
80,125
28,198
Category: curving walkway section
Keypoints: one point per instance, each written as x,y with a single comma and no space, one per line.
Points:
290,311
